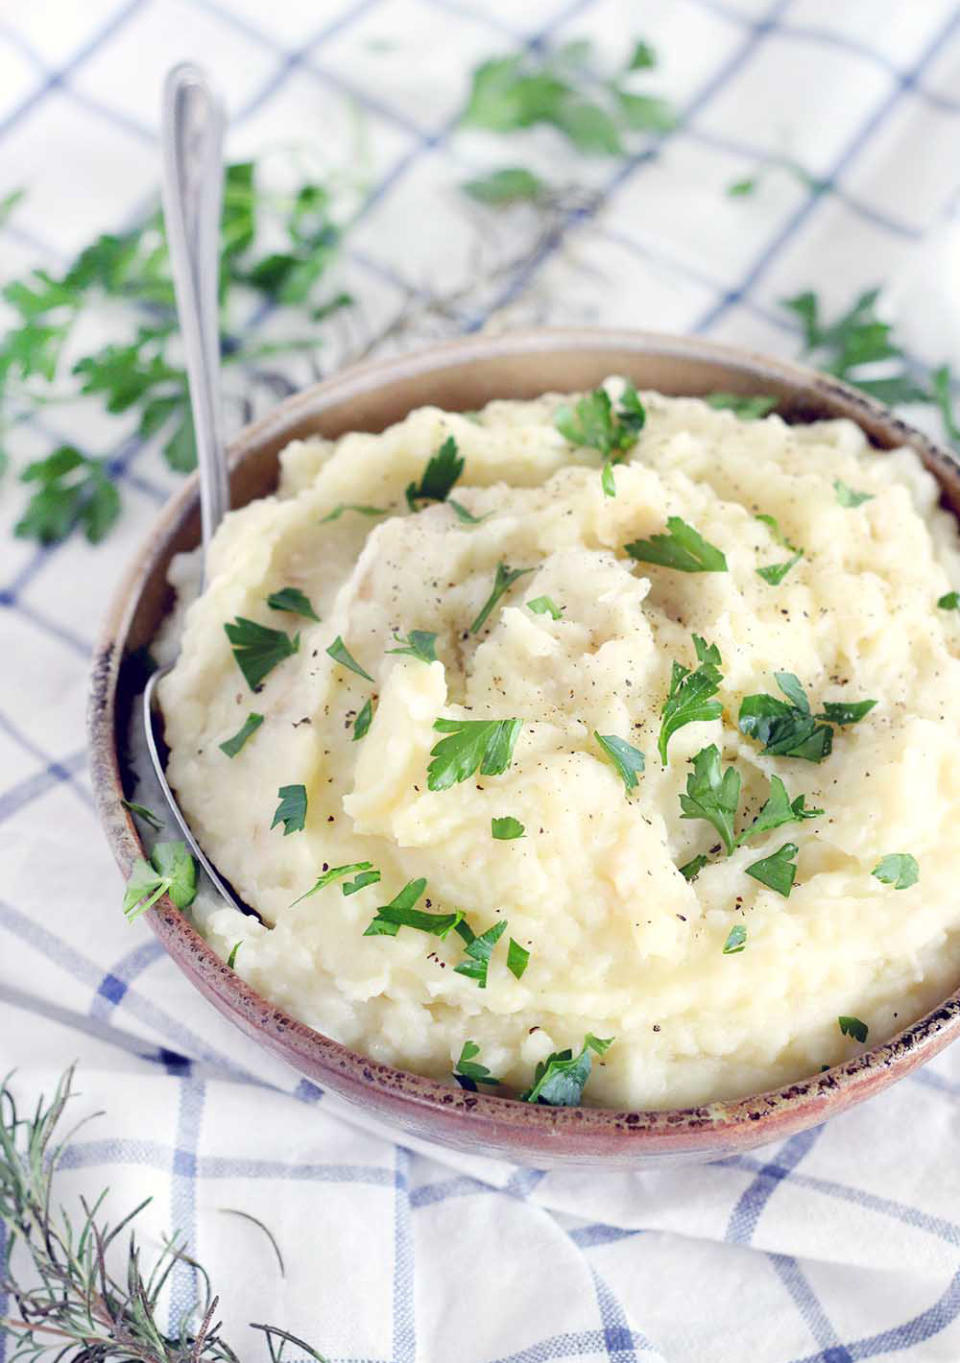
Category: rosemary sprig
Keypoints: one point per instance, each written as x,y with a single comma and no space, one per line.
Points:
77,1307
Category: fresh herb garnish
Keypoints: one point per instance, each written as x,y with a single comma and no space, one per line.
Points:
785,728
74,490
692,868
560,1079
293,600
504,579
232,958
507,828
845,712
338,511
250,725
774,573
464,516
336,873
682,548
468,1071
362,722
419,643
292,809
473,745
848,496
442,471
689,698
518,958
400,913
749,407
508,185
339,652
712,795
853,1027
898,869
597,425
142,812
258,648
479,950
778,809
359,882
950,601
627,759
545,605
777,871
736,940
171,870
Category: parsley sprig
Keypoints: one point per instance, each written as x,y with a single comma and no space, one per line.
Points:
596,424
689,700
789,728
171,870
503,580
472,745
682,547
560,1079
469,1072
258,648
71,490
442,471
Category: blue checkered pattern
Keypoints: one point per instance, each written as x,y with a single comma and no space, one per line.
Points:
842,1243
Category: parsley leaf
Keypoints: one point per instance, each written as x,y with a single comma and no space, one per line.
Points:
518,958
464,516
560,1079
232,958
950,601
595,424
508,185
778,870
507,828
442,471
74,490
468,1071
472,745
545,605
338,511
292,809
293,600
418,644
362,722
400,913
361,882
689,698
258,649
142,812
774,573
339,652
898,869
692,868
845,712
479,950
682,548
171,870
627,759
503,581
785,728
250,725
853,1027
747,407
736,940
778,809
336,873
712,796
848,496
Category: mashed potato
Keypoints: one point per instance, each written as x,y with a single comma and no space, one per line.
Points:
621,944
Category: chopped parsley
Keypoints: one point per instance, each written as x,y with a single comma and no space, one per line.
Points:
503,581
339,652
898,869
596,424
479,950
250,725
507,828
774,573
845,712
400,913
683,548
258,648
778,809
788,728
689,698
747,406
232,958
442,471
559,1080
73,490
853,1027
293,600
468,1071
545,605
292,809
142,812
338,511
627,759
472,745
362,722
464,516
848,496
950,601
336,873
777,871
419,643
518,958
510,184
692,868
736,940
713,796
361,882
171,870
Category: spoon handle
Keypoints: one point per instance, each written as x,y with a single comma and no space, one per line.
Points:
192,145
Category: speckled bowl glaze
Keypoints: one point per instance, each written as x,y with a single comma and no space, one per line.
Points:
463,375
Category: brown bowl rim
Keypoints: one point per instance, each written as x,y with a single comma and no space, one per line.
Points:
497,1122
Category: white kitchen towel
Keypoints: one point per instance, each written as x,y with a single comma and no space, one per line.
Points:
840,1244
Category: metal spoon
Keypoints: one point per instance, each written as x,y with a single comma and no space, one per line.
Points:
192,145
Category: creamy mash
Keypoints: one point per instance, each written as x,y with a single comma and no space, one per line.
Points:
621,943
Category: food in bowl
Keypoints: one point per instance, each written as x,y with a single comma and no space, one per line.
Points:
611,724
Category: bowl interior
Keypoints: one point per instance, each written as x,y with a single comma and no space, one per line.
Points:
463,376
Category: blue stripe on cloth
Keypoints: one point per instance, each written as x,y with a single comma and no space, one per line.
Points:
811,1310
598,1233
307,1092
854,146
92,1154
404,1320
32,787
570,1344
183,1200
916,1330
617,1335
118,979
753,1200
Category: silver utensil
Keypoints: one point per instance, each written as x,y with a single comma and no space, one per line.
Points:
192,145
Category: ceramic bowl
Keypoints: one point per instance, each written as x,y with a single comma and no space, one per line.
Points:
463,375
